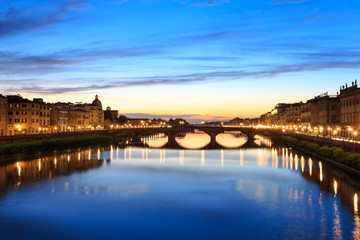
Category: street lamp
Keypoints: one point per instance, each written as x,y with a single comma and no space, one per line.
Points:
19,128
349,131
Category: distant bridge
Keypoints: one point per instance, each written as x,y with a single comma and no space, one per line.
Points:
137,132
172,132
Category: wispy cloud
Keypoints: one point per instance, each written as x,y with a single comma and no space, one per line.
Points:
192,118
190,3
244,54
67,59
291,1
16,20
316,62
150,116
15,62
194,3
218,35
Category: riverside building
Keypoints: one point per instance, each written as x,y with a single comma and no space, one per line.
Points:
293,114
329,110
96,114
110,117
3,115
26,116
60,117
78,118
350,105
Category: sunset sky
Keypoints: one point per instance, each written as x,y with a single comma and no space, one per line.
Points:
202,60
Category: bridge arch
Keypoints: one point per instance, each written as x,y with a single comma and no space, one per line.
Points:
213,132
171,133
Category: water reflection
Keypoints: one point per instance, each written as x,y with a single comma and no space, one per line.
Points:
220,184
231,139
196,140
155,141
199,140
324,175
261,141
45,168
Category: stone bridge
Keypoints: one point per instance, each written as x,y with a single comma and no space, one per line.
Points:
172,132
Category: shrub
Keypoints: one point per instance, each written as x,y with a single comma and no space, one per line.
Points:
335,153
53,144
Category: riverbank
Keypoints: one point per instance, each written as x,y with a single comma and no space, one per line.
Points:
337,156
11,151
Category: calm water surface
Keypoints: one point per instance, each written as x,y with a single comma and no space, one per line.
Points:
140,192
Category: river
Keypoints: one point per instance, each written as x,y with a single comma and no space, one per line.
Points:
140,192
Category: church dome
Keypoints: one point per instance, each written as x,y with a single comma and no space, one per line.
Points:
97,102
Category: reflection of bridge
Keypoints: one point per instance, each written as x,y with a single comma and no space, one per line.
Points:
171,133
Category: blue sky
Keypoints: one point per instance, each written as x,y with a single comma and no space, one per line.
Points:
196,59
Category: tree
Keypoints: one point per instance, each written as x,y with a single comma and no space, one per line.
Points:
122,120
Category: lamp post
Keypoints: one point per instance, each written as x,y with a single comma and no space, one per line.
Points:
355,135
350,130
19,128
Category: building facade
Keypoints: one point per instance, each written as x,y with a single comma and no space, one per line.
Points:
329,110
59,113
27,117
110,117
293,114
309,113
350,105
78,118
3,115
96,114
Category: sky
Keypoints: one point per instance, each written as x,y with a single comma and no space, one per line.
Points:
200,60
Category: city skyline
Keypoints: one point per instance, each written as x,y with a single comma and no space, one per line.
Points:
200,60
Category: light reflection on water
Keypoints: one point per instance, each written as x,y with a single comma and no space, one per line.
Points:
199,140
231,140
193,140
156,141
231,193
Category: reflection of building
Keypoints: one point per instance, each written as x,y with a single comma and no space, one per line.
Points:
60,116
331,180
27,117
47,167
96,114
3,115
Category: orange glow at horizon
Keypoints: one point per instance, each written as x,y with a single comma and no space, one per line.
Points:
198,105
